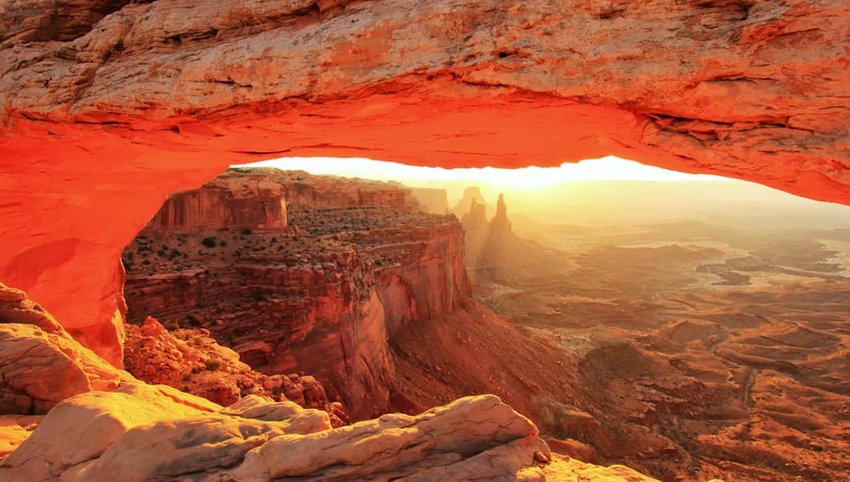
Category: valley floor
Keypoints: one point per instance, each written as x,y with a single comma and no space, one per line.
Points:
700,351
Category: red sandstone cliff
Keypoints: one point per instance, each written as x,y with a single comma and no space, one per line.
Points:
304,191
104,425
318,297
434,200
249,203
172,93
371,299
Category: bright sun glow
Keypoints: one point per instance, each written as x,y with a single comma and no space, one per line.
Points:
604,169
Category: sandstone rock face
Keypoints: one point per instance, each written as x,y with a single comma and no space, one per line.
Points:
247,204
40,365
193,362
89,423
41,368
471,438
434,200
568,469
304,191
142,436
136,431
174,92
322,296
374,301
15,307
14,429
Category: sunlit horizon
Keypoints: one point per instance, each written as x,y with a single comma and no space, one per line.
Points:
604,169
591,191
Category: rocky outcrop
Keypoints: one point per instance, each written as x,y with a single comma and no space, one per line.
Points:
471,196
373,301
278,307
469,439
247,204
476,230
175,92
90,423
318,297
500,222
569,469
131,430
141,436
193,362
434,200
40,365
494,253
14,429
304,191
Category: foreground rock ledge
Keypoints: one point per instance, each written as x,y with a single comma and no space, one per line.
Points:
109,106
104,425
141,436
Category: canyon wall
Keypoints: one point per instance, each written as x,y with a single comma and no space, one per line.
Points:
110,106
251,203
420,272
304,191
372,300
316,301
321,296
434,200
102,424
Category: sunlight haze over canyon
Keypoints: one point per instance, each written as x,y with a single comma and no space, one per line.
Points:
424,241
608,168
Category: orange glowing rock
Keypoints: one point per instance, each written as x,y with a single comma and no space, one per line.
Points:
105,115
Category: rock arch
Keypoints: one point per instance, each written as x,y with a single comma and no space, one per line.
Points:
105,114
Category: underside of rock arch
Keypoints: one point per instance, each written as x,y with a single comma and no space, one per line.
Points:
110,106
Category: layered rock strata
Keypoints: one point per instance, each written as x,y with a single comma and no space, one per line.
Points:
193,362
321,296
175,92
371,299
224,204
434,200
130,430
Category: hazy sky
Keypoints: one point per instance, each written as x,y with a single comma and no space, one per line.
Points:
603,190
607,168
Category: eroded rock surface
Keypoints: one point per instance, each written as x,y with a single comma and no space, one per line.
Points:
173,92
243,205
318,297
143,435
193,362
117,427
40,364
362,290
